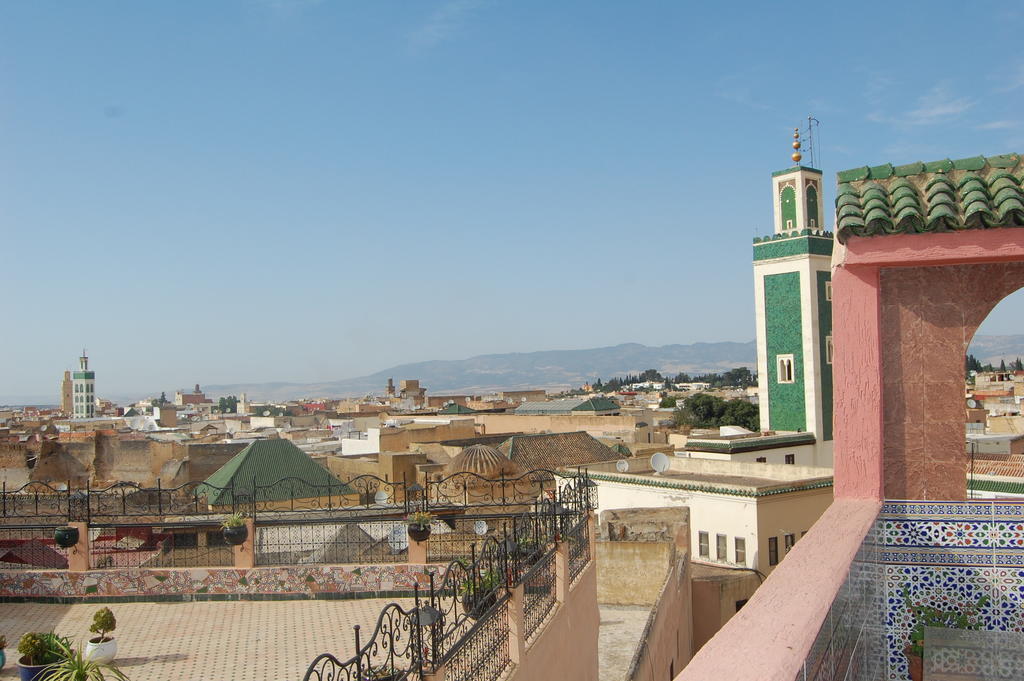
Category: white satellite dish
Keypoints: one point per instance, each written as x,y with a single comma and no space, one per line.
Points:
972,404
480,527
381,497
622,465
659,462
266,412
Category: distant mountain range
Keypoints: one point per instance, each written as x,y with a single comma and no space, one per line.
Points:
550,369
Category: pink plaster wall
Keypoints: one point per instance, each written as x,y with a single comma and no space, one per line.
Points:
566,648
929,315
905,308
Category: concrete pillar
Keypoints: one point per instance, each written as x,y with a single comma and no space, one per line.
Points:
245,553
561,571
517,624
417,552
78,555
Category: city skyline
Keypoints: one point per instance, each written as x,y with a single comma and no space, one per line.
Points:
304,191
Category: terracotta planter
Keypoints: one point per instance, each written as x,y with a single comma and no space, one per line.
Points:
915,663
419,533
236,534
101,651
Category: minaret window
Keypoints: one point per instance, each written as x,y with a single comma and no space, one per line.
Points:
788,201
828,349
785,369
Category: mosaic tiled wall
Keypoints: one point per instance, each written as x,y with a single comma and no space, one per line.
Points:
946,555
315,581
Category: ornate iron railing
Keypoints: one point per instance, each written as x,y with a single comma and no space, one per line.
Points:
30,547
364,494
462,624
539,593
343,540
123,545
391,653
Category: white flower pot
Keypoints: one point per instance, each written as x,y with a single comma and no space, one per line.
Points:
101,652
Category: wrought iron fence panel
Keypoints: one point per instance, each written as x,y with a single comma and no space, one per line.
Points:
158,546
327,541
539,592
394,648
31,547
34,500
472,489
482,654
578,539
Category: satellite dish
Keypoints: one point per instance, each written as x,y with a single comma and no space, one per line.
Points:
622,465
266,412
659,462
480,527
381,497
972,403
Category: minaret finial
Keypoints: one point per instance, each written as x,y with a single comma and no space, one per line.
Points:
796,146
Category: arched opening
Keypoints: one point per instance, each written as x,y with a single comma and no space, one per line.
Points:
787,200
812,207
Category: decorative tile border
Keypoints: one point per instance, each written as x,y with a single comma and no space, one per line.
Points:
315,581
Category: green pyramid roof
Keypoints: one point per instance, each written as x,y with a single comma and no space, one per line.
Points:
280,470
456,408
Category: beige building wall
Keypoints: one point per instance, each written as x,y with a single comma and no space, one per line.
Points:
622,427
715,596
666,645
632,572
791,513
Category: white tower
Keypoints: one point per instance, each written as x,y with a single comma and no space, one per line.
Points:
793,296
83,384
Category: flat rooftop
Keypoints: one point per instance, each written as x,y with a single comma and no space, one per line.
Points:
207,640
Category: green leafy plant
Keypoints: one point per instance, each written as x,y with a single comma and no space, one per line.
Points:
489,581
384,671
3,641
419,519
73,665
38,648
234,520
965,617
103,623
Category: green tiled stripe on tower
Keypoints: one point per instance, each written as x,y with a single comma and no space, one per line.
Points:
783,330
824,331
798,245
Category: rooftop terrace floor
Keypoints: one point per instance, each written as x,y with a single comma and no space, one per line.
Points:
207,640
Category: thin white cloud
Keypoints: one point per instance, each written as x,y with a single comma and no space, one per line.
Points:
938,105
443,24
1014,81
738,88
998,125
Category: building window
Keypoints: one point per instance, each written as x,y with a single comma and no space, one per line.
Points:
702,545
790,539
761,459
721,551
828,291
741,551
790,458
828,349
785,369
773,550
740,604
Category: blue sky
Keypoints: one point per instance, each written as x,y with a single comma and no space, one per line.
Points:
308,190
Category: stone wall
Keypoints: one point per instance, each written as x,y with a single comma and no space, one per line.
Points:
318,581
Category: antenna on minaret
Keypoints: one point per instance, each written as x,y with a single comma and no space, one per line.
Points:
813,126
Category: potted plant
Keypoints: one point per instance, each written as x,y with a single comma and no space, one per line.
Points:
75,665
479,595
38,652
384,672
928,616
65,537
419,525
235,530
102,648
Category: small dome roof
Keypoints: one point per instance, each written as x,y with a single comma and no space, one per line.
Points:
482,460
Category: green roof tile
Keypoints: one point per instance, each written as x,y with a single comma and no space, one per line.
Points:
969,193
